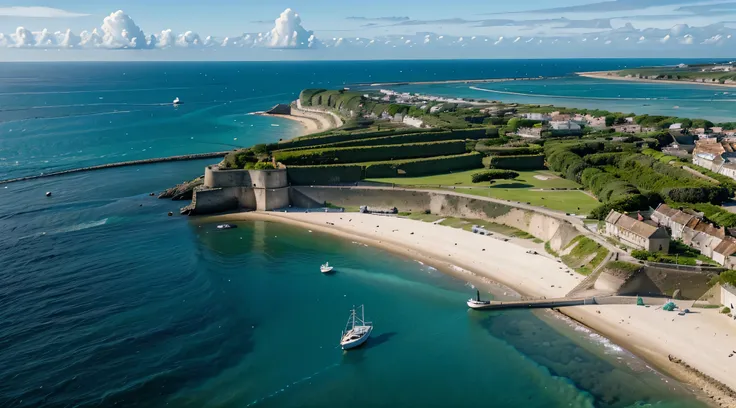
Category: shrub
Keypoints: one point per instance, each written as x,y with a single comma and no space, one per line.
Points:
640,254
264,166
726,310
489,175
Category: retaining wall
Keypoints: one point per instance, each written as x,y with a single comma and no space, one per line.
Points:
655,281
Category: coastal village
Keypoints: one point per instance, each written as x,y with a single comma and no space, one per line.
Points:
593,207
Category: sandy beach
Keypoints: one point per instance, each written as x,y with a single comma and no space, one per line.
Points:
613,76
703,339
311,121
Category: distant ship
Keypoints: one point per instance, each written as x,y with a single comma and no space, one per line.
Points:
227,226
177,101
326,268
356,331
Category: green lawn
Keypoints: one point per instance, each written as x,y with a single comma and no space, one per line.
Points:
526,180
575,202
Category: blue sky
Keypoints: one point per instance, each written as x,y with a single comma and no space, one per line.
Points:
375,29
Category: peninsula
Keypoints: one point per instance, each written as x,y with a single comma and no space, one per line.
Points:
551,202
723,74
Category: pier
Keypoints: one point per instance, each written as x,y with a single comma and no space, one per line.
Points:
120,164
537,303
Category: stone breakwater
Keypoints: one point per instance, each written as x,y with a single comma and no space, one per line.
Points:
120,164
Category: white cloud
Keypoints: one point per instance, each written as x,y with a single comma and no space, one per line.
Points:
166,39
517,39
38,12
91,39
687,39
69,40
120,31
713,40
664,39
23,38
189,39
289,33
500,39
45,39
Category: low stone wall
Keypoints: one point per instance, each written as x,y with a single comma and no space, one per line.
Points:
547,228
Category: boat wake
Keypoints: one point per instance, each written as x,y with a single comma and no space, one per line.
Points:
73,228
295,383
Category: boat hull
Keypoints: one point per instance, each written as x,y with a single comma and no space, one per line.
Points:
326,270
477,305
358,342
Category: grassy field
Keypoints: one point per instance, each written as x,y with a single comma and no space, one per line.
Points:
585,256
526,180
574,202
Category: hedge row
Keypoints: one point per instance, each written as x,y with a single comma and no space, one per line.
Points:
321,175
338,136
360,154
416,137
489,175
306,96
424,167
646,173
534,162
350,173
514,151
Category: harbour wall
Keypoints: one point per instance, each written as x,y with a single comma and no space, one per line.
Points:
557,231
120,164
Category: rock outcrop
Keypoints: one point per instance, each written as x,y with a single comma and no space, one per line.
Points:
183,191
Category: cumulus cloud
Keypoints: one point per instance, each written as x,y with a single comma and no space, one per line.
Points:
189,39
664,39
120,31
70,40
45,39
289,33
166,39
23,38
90,39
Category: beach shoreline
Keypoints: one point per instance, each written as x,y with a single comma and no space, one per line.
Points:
311,121
461,254
611,75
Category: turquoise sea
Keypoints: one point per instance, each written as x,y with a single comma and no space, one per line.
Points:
107,301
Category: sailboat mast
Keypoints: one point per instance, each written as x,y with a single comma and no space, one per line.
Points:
362,315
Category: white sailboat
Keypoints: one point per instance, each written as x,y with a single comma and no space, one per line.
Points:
356,331
326,268
477,303
177,101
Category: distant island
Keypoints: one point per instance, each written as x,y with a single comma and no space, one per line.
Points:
719,74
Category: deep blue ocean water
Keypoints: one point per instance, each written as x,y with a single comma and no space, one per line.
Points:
107,301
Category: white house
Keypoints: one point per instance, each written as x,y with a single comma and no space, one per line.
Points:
564,125
637,234
676,126
728,296
536,116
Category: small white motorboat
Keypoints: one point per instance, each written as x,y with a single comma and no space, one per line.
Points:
356,331
326,268
227,226
177,101
477,303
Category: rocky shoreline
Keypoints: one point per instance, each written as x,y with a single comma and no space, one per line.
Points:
720,394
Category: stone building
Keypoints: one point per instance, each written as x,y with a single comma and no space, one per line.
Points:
637,234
